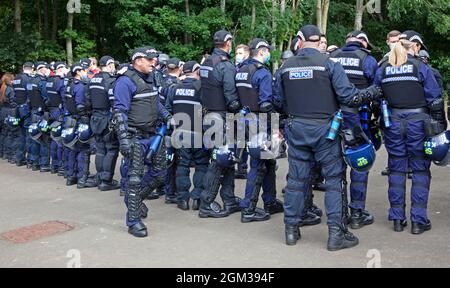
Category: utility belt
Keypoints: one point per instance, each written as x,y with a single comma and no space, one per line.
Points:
313,121
397,111
139,133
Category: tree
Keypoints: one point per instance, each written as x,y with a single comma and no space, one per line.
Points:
322,7
360,8
17,17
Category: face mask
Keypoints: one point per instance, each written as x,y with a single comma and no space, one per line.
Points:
47,73
391,46
267,58
85,77
239,59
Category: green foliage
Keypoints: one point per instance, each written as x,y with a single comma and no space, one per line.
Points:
115,27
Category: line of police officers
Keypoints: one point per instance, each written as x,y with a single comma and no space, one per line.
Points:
127,112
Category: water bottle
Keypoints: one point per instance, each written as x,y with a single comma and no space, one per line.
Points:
386,114
154,146
364,114
335,125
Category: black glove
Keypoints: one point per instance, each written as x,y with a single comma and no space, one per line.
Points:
437,112
266,107
234,106
121,129
365,96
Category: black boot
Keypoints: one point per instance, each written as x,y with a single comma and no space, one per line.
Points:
86,182
21,163
61,172
108,186
340,239
171,200
319,186
385,172
195,204
152,195
315,210
292,233
54,170
417,228
183,204
309,219
138,230
161,191
241,172
360,218
274,207
399,225
143,211
35,167
257,214
44,169
71,181
212,210
231,208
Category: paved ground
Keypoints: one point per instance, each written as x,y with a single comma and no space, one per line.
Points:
182,239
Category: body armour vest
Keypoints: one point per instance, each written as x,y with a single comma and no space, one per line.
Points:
20,88
353,63
71,106
187,99
99,88
401,85
54,99
212,90
248,95
307,87
35,94
143,112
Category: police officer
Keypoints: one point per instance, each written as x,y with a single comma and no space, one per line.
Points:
38,96
8,117
312,215
312,86
136,112
76,105
22,141
107,145
425,58
241,58
56,91
219,96
185,104
413,95
254,86
360,68
173,66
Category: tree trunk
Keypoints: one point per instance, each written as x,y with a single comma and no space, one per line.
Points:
359,14
325,7
46,24
223,6
282,13
38,11
54,19
274,29
253,19
69,39
319,13
187,36
17,17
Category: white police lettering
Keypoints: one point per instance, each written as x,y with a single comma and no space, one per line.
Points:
353,62
96,80
185,92
242,76
204,73
49,84
300,74
404,69
17,82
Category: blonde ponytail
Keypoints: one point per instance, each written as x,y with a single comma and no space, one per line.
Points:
399,55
